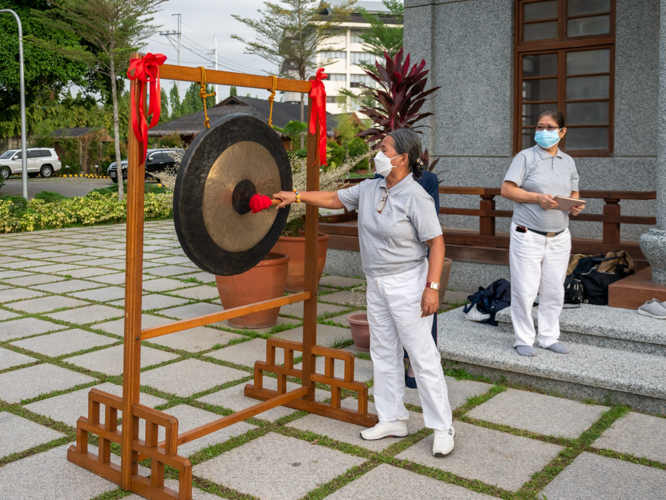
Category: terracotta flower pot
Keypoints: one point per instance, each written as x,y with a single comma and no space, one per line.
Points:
264,281
360,330
294,247
444,280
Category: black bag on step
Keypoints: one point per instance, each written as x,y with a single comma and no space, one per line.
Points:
596,283
574,292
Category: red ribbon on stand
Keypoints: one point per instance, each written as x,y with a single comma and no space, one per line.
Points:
145,70
318,112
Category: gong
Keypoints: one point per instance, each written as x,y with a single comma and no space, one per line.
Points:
239,156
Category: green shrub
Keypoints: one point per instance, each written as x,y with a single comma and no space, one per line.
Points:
49,196
18,202
2,181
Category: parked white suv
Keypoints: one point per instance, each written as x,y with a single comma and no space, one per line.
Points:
41,161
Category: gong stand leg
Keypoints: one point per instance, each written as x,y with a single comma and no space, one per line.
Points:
311,260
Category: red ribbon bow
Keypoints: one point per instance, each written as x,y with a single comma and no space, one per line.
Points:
259,202
146,69
318,112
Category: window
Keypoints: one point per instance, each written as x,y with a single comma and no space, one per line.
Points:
34,154
337,77
356,36
357,57
358,80
565,52
331,99
333,54
44,153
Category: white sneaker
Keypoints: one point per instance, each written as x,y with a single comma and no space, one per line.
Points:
386,429
475,315
443,443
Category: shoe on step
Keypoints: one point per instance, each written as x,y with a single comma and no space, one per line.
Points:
386,429
654,309
443,443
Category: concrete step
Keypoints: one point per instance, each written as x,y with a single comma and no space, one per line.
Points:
603,374
604,326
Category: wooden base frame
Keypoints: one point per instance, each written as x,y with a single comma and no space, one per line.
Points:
134,449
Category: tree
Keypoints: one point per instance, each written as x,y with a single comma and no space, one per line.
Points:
192,101
164,110
292,33
233,91
381,38
46,74
111,31
174,100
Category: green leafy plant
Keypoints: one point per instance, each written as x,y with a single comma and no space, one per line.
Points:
49,196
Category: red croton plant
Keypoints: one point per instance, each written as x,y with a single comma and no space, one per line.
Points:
400,95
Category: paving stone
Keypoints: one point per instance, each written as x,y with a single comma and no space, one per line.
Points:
20,434
189,377
594,477
196,339
234,399
169,270
297,309
110,361
87,315
350,433
362,368
165,285
341,297
12,294
10,358
154,301
46,304
275,467
197,494
60,247
87,272
192,310
49,476
190,418
59,343
340,281
203,292
106,262
67,408
5,275
65,259
25,264
117,327
342,319
4,315
5,260
105,294
201,276
67,286
326,335
115,279
459,392
280,321
173,260
30,382
59,268
35,279
391,483
246,353
539,413
636,434
491,456
25,327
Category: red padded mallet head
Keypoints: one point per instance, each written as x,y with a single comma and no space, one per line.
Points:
260,202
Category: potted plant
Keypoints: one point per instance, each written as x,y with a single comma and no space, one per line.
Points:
292,241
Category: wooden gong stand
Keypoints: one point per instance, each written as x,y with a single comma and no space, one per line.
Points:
134,449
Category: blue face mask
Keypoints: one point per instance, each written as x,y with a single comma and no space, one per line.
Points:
547,139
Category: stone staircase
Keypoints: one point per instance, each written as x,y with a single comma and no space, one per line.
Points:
616,355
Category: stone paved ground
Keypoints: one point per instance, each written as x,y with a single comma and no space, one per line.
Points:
61,326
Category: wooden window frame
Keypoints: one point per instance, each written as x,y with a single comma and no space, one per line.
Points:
561,46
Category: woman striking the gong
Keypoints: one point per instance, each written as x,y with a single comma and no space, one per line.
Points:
397,223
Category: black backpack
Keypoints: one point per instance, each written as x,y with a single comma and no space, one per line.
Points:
588,285
490,300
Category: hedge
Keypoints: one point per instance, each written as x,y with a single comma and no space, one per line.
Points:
95,208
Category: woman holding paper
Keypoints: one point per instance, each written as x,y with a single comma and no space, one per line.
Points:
540,245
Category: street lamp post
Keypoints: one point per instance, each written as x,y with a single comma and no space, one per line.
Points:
24,153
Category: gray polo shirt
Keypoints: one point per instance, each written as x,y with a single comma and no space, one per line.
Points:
536,170
393,241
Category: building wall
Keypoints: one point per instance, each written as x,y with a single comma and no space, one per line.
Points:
469,48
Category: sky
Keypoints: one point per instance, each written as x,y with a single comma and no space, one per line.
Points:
201,20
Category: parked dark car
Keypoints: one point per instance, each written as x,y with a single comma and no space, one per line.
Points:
156,161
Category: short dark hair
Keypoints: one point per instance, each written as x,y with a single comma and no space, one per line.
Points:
408,141
555,114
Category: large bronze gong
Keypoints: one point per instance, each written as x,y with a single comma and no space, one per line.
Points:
223,167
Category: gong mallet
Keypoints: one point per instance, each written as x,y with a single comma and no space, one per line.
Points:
259,202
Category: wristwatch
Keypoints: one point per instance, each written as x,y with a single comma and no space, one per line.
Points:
432,284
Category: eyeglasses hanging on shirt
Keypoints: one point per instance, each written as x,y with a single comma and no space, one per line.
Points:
382,202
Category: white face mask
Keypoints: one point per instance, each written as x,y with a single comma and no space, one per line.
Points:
383,164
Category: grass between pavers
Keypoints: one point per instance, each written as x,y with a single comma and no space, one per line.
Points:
113,495
627,457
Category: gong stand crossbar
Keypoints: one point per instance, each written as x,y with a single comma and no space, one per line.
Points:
163,453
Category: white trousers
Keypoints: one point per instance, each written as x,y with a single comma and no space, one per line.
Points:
538,266
394,315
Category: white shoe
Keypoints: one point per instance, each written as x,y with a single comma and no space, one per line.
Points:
475,315
386,429
443,443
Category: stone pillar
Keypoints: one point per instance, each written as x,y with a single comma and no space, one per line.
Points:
653,243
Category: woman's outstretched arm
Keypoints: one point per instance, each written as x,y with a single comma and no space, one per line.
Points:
323,199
